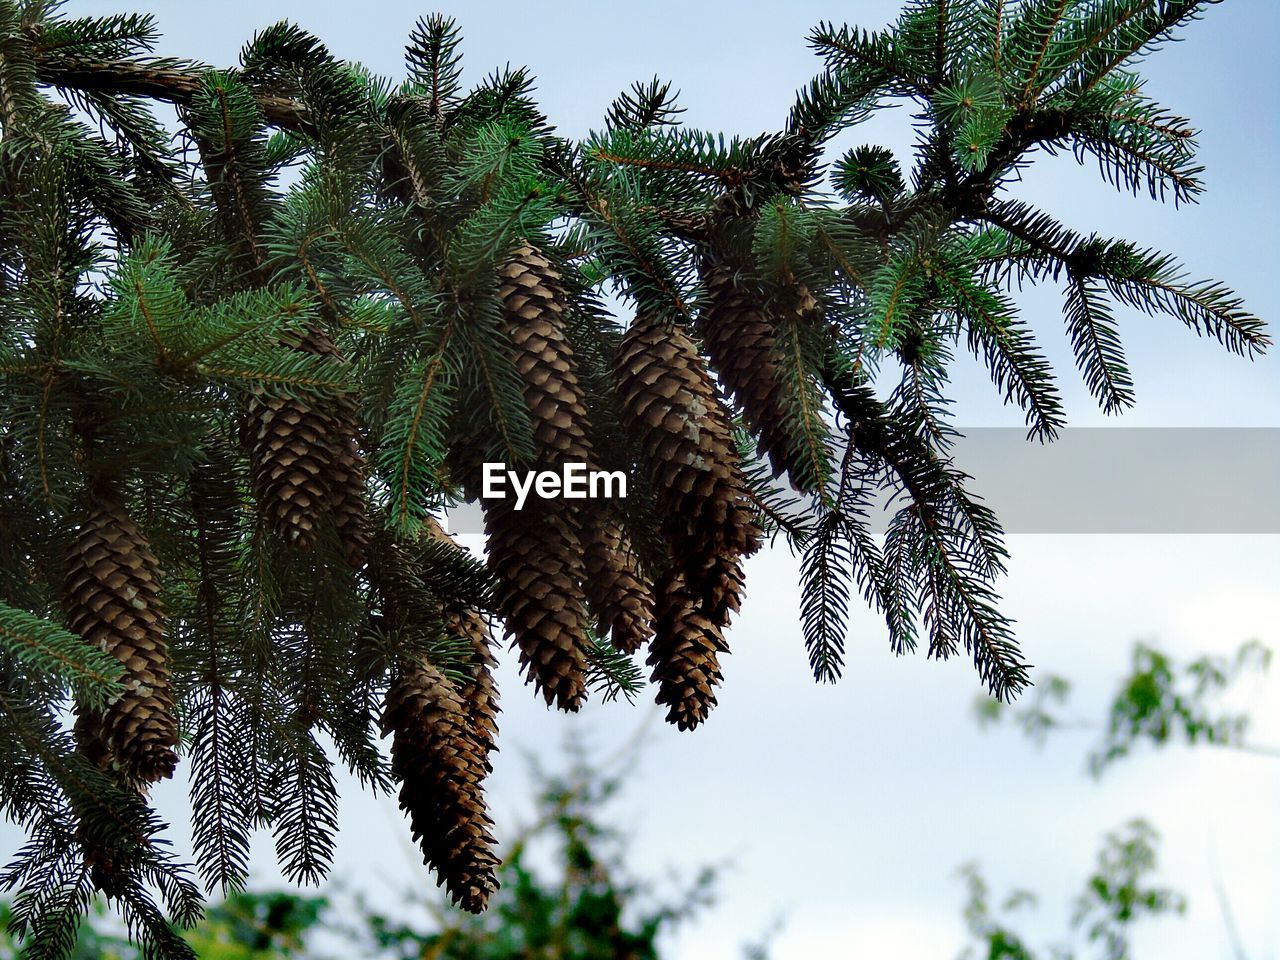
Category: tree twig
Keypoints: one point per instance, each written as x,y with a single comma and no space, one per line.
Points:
171,81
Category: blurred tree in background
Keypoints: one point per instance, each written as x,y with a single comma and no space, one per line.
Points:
245,926
1160,702
584,904
566,894
1116,895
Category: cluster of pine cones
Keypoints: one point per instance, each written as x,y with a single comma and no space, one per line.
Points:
562,568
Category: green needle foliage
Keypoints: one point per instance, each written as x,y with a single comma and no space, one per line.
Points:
261,353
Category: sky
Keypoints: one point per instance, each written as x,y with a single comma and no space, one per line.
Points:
846,810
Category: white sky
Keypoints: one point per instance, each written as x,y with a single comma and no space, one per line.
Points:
847,809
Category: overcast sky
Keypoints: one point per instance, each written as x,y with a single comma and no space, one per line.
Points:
846,810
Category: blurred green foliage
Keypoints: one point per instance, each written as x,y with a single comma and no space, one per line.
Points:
567,893
1116,895
583,904
1159,701
245,926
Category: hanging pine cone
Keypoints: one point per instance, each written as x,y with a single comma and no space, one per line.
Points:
348,500
89,732
618,595
292,462
441,768
669,400
685,655
307,464
741,344
479,692
533,315
107,873
113,602
536,554
349,493
536,559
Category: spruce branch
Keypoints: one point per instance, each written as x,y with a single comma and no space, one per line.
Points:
46,646
168,80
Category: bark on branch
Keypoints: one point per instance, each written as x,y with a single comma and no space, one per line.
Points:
160,80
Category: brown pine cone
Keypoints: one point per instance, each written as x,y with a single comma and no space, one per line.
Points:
441,768
537,562
533,316
112,597
348,490
348,494
618,595
90,741
89,732
479,692
292,462
535,553
742,347
669,400
684,654
307,464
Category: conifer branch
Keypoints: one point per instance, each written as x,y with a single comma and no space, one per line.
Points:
169,81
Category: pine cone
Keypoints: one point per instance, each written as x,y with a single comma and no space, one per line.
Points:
741,344
89,730
536,554
684,655
292,463
349,493
669,400
90,742
537,561
307,464
441,768
113,602
479,692
620,598
107,871
533,315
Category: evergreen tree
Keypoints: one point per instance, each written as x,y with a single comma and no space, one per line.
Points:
231,401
